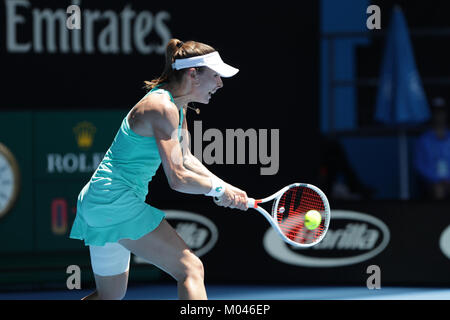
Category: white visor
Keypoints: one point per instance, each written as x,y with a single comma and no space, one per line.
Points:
210,60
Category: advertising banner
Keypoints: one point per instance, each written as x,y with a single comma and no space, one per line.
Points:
408,242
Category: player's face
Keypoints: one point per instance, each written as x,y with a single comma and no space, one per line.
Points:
209,82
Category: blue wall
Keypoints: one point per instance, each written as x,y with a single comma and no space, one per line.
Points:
374,158
341,16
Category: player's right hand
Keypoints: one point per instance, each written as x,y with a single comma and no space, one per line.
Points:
233,198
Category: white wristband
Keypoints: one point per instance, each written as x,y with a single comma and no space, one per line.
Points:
217,188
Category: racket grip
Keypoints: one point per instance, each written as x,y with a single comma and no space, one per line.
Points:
251,203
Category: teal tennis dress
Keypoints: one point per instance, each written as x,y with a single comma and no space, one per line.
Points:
111,206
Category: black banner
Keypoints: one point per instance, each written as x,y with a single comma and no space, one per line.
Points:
45,65
102,66
408,243
54,72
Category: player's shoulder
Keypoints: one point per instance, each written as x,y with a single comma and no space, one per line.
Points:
159,104
157,109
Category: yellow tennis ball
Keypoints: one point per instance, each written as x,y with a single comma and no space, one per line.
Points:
312,219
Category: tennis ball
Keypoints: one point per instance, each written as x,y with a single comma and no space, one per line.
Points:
312,219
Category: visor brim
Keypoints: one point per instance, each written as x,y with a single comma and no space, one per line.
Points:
224,70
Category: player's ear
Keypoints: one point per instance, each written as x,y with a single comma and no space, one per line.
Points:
193,75
192,72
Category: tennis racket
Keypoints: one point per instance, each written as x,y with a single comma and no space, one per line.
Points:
288,213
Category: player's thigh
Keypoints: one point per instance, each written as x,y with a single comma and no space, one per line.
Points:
164,248
110,264
112,287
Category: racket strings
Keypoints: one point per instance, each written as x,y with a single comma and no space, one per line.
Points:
292,207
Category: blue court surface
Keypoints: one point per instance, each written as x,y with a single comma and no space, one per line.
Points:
236,292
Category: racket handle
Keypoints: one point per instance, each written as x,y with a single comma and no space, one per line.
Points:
251,203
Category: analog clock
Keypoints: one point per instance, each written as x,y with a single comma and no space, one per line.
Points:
9,180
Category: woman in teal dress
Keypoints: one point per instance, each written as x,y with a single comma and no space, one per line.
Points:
112,216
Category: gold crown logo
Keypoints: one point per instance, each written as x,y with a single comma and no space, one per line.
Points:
84,134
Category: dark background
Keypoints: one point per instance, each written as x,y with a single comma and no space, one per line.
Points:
276,46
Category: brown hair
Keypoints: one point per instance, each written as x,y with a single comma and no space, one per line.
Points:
176,49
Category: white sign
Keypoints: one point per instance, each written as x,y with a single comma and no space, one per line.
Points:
363,234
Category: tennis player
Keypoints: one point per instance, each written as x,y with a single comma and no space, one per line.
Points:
112,216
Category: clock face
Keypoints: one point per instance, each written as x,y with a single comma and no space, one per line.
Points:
9,180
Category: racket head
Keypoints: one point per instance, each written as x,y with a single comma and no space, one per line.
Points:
289,210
